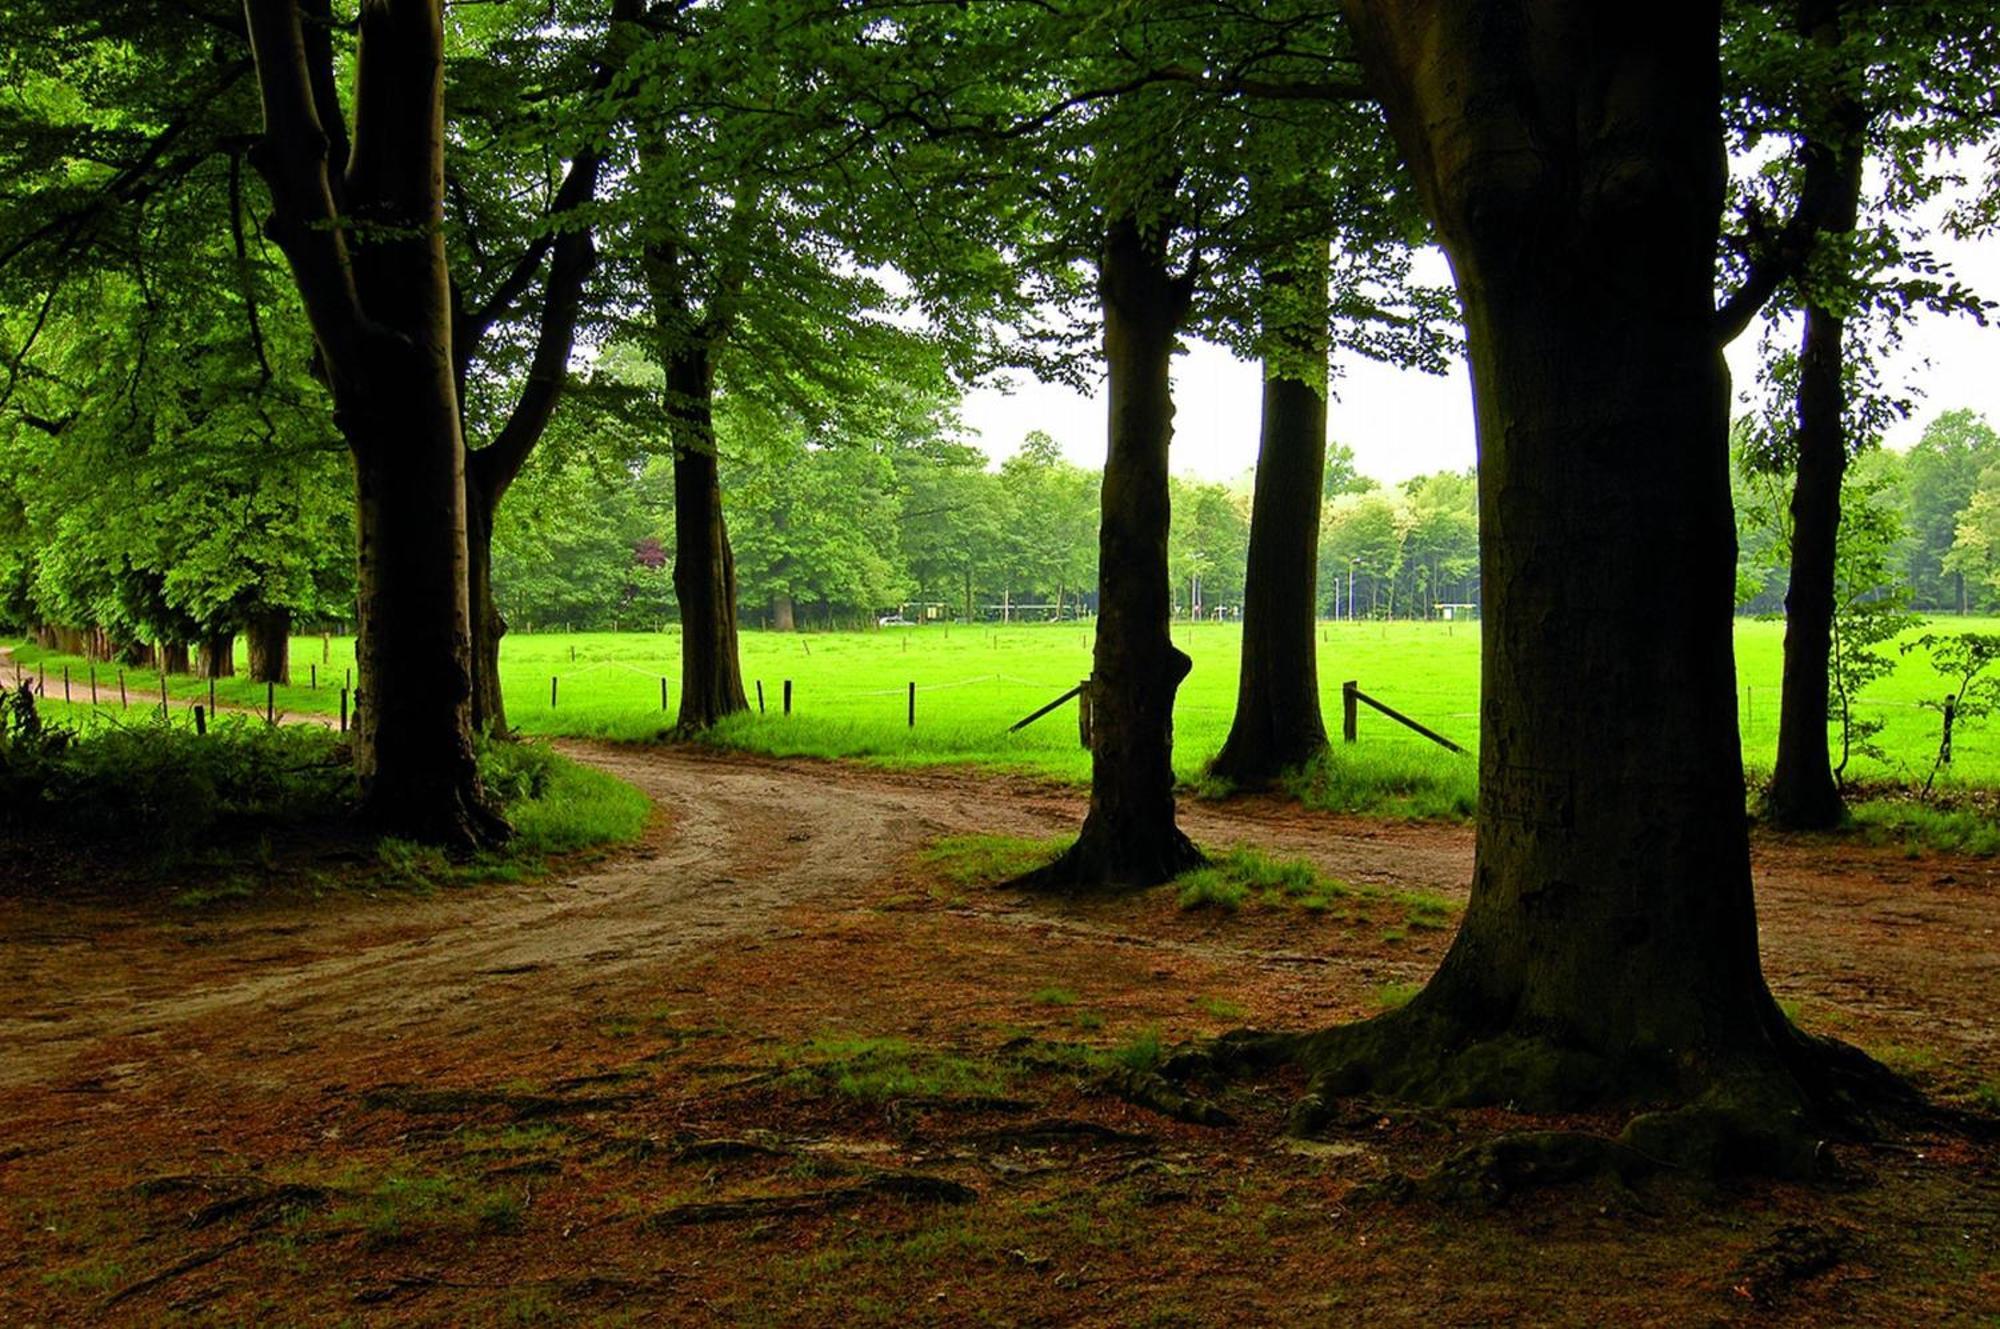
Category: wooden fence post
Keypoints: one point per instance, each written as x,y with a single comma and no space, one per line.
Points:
200,720
65,685
788,696
760,696
663,692
165,705
552,691
343,710
123,700
93,683
1348,726
913,697
270,702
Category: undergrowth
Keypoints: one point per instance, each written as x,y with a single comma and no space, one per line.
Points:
216,801
1396,781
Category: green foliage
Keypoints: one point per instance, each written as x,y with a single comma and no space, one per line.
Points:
558,806
1394,996
1922,827
1239,875
875,1069
1868,610
1962,659
1408,780
153,782
984,860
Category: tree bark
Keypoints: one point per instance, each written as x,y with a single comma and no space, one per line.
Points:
490,471
173,657
269,637
216,656
704,568
1129,838
1609,948
1277,724
783,615
1804,794
366,247
489,708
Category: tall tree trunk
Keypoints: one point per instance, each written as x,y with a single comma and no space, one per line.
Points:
1609,948
783,616
269,636
361,221
704,568
490,471
1803,793
488,626
1130,839
173,657
1278,723
216,656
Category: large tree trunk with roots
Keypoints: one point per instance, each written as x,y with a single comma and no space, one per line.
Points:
362,228
1609,950
269,636
1803,794
704,569
1129,838
1278,724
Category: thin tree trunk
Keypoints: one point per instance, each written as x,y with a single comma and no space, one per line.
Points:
1609,947
489,707
1804,794
704,568
1277,723
269,636
1129,838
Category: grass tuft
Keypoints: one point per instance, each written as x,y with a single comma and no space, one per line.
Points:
987,860
1239,876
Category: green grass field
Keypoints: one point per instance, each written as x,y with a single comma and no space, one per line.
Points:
850,693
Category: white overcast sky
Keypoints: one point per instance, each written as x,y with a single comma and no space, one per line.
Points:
1402,423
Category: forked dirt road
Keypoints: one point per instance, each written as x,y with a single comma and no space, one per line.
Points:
740,839
221,1112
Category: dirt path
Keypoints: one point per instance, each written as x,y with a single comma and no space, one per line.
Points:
740,839
174,1076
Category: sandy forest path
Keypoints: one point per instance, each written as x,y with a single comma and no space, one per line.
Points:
736,841
95,996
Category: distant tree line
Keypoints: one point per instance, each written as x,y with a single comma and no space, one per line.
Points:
1940,499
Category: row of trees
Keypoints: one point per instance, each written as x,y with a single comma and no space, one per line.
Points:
1940,499
740,190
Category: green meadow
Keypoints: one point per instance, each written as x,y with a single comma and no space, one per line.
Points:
850,693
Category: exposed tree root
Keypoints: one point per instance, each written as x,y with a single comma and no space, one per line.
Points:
1766,1109
902,1185
1149,1090
198,1260
1055,1130
1791,1255
429,1102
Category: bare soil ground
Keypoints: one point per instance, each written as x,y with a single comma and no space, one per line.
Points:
774,1065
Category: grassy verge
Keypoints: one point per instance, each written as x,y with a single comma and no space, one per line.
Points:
229,813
